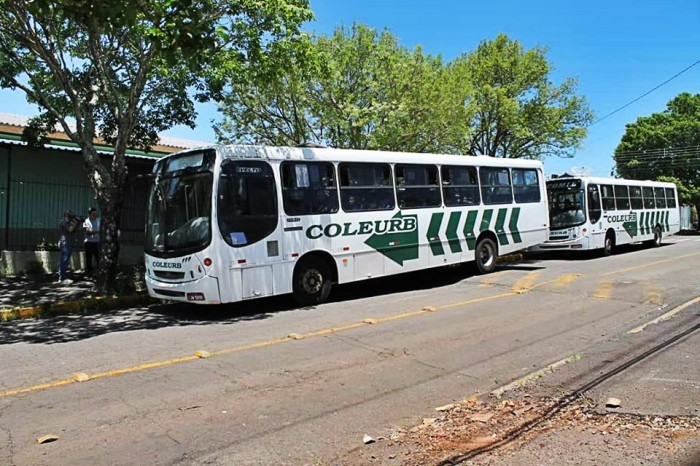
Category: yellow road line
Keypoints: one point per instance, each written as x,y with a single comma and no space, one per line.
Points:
560,281
667,315
198,355
604,290
628,269
525,283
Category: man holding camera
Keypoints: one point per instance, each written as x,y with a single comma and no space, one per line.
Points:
66,228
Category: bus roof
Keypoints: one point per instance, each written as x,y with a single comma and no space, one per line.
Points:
613,181
352,155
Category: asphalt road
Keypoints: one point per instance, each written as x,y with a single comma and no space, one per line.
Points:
274,384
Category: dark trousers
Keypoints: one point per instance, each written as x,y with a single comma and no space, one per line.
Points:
91,250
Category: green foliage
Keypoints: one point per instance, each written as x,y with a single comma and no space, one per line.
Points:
361,89
134,69
665,143
356,89
518,112
46,245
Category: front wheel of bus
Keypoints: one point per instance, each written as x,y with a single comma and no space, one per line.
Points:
311,281
486,254
609,244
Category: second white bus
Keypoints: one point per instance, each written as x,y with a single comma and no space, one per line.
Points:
591,213
230,223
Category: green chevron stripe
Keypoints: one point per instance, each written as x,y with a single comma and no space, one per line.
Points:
469,229
434,234
513,225
500,227
452,238
656,219
668,227
486,220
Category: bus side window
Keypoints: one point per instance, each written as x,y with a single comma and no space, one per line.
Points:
526,186
594,211
636,197
648,194
495,185
622,197
660,198
670,198
608,197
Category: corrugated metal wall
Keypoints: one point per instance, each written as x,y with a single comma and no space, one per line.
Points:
38,185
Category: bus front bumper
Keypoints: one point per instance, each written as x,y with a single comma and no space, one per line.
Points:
202,291
578,244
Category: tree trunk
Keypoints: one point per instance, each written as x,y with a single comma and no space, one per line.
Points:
111,206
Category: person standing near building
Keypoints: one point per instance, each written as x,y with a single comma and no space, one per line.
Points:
66,228
92,240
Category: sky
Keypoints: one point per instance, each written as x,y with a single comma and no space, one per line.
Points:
617,49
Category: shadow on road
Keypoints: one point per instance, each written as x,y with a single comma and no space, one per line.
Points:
79,327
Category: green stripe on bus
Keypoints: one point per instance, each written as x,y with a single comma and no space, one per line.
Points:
486,220
469,229
434,234
451,233
513,225
658,218
500,227
668,227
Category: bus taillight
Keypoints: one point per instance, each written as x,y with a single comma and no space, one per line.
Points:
207,262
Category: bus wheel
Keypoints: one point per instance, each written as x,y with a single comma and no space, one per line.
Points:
486,254
656,242
311,281
609,244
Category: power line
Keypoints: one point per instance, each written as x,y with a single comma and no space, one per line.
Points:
645,94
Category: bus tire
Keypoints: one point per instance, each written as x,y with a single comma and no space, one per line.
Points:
486,255
311,282
656,242
609,244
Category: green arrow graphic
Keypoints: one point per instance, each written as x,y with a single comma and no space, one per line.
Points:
500,227
513,225
398,246
452,238
469,229
631,227
434,234
486,220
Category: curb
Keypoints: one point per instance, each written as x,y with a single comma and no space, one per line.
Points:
511,258
84,306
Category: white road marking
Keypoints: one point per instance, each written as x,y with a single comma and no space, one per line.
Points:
667,315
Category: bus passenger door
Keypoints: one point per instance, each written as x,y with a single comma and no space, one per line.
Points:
595,212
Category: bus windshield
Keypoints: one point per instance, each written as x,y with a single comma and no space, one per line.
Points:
566,204
179,205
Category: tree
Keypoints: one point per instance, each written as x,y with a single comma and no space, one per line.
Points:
356,89
665,144
125,71
517,111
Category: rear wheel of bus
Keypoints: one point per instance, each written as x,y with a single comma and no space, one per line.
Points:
486,254
311,281
656,242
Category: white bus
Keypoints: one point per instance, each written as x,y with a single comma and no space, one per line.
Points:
587,213
230,223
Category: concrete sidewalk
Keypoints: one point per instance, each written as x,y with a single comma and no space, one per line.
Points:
43,296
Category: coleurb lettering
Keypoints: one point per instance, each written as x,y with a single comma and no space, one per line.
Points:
378,227
167,265
622,218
